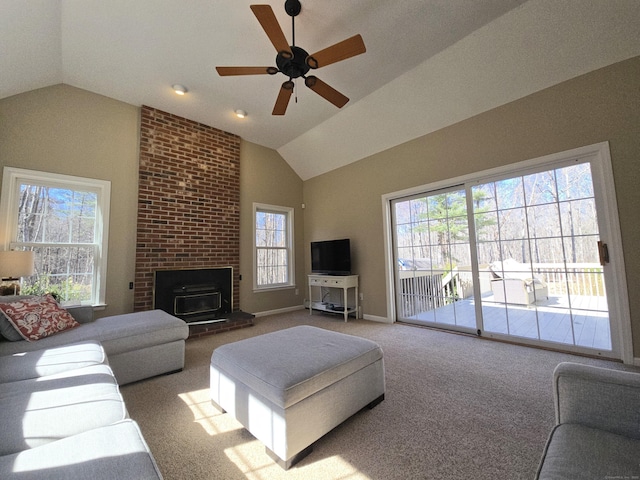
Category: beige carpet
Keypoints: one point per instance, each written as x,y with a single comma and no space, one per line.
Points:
456,407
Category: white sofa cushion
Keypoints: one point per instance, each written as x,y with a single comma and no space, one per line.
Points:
40,363
106,453
41,410
117,334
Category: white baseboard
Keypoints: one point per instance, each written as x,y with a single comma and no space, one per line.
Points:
373,318
376,318
279,310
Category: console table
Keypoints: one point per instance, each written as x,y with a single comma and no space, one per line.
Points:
345,282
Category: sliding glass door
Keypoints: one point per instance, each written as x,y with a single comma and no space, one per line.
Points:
539,250
433,259
513,256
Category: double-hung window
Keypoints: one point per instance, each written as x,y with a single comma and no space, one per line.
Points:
273,247
64,221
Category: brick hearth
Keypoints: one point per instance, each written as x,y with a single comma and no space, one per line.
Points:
234,322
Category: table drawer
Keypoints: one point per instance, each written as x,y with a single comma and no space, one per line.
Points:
327,282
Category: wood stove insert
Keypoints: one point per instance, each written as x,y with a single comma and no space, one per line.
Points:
197,296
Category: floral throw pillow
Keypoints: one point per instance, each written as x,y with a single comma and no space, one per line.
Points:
37,317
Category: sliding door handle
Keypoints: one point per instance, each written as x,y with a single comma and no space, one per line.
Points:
603,251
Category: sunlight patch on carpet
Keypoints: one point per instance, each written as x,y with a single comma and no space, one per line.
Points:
251,460
255,464
204,413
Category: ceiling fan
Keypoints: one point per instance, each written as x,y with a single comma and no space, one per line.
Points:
295,62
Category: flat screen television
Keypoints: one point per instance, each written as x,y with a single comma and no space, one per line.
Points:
332,257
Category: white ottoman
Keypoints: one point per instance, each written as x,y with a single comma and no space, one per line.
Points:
290,387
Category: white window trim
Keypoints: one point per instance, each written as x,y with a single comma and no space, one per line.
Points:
11,179
290,242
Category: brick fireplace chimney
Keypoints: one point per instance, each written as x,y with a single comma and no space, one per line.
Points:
188,200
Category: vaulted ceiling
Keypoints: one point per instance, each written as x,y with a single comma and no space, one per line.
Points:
428,64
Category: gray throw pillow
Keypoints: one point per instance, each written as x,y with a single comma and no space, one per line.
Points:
7,330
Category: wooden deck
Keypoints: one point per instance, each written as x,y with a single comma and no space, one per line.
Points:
549,320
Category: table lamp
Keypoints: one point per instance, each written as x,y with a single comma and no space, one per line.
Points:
15,264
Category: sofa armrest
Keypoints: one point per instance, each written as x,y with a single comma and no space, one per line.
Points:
81,313
597,397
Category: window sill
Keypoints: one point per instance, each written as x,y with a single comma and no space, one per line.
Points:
94,306
274,288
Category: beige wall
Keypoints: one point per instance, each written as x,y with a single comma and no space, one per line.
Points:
601,106
266,178
66,130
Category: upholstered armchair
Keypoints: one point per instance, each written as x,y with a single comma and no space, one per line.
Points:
513,282
597,432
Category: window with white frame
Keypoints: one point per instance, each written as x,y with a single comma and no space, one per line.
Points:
64,221
273,247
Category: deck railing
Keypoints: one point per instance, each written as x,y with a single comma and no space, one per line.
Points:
585,279
424,290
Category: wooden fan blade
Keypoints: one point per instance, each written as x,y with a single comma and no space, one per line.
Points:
325,91
340,51
270,25
225,71
283,98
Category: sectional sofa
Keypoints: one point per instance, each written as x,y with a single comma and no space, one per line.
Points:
61,410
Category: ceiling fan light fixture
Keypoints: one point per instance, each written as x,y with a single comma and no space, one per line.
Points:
240,113
179,89
312,62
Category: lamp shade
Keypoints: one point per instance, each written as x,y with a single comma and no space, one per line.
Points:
16,264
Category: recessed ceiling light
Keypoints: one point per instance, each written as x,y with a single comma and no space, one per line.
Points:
179,89
241,113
